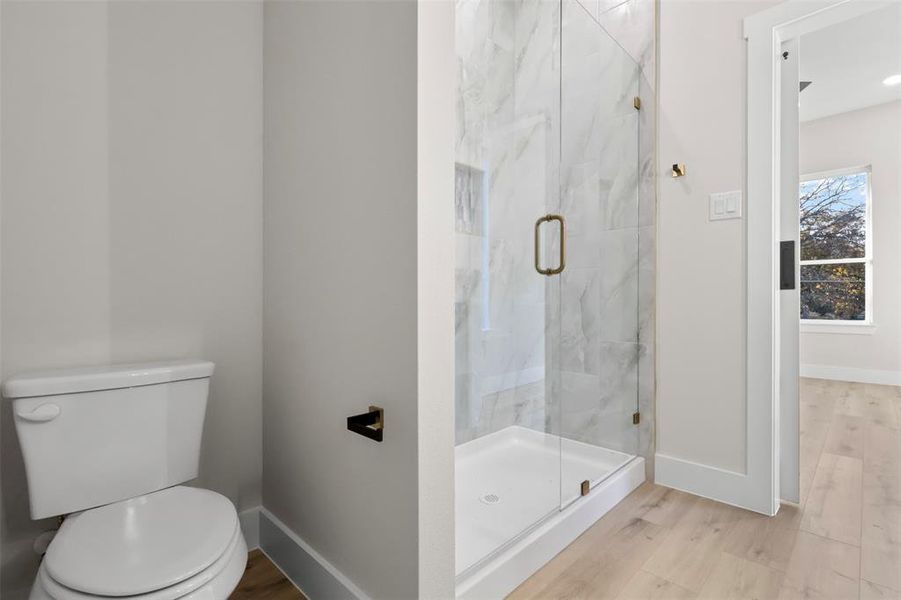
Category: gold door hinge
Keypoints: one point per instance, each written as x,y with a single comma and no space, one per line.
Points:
636,418
636,102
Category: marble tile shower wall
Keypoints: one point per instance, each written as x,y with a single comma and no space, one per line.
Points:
595,379
507,149
598,342
606,364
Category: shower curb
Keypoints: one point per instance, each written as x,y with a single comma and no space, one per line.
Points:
504,573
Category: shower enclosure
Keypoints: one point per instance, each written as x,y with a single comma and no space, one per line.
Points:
547,257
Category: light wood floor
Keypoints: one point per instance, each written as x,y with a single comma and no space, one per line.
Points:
263,581
843,542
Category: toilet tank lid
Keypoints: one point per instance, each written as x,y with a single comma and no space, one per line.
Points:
109,377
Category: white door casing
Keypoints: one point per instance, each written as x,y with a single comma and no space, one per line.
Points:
789,300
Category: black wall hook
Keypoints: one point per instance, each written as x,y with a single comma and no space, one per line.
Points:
369,424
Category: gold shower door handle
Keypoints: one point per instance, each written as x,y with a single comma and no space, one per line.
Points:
562,265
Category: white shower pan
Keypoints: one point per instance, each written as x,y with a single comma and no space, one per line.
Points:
510,487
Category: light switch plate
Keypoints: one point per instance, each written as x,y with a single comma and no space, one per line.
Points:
725,205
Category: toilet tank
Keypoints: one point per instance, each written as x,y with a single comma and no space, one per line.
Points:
99,435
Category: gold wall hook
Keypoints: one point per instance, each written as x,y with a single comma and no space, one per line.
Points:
678,170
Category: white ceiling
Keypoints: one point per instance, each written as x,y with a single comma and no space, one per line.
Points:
848,61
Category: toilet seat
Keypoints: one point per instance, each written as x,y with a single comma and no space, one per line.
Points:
176,543
214,583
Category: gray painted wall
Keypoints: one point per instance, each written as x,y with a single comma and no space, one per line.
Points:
340,299
132,225
868,137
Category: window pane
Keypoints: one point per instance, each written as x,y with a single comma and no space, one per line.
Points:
833,214
833,292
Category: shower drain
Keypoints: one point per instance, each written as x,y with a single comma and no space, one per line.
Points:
490,499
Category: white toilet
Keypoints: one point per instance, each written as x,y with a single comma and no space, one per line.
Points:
108,447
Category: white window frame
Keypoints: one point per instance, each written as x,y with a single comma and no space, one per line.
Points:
865,326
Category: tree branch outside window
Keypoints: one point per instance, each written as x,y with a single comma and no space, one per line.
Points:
835,260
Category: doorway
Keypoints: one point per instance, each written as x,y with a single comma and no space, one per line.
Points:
813,150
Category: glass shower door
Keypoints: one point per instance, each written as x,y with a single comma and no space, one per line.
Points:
507,155
593,373
546,320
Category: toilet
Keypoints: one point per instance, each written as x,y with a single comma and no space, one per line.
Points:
108,448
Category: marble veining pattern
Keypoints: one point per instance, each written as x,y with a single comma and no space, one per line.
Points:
546,124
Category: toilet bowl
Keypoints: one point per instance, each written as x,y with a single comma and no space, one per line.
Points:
180,542
109,448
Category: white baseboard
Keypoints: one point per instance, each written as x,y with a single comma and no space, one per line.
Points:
306,568
706,481
851,374
250,526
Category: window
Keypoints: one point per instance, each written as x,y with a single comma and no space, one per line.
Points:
836,260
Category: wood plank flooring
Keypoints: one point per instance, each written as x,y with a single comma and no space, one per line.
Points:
263,581
843,542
